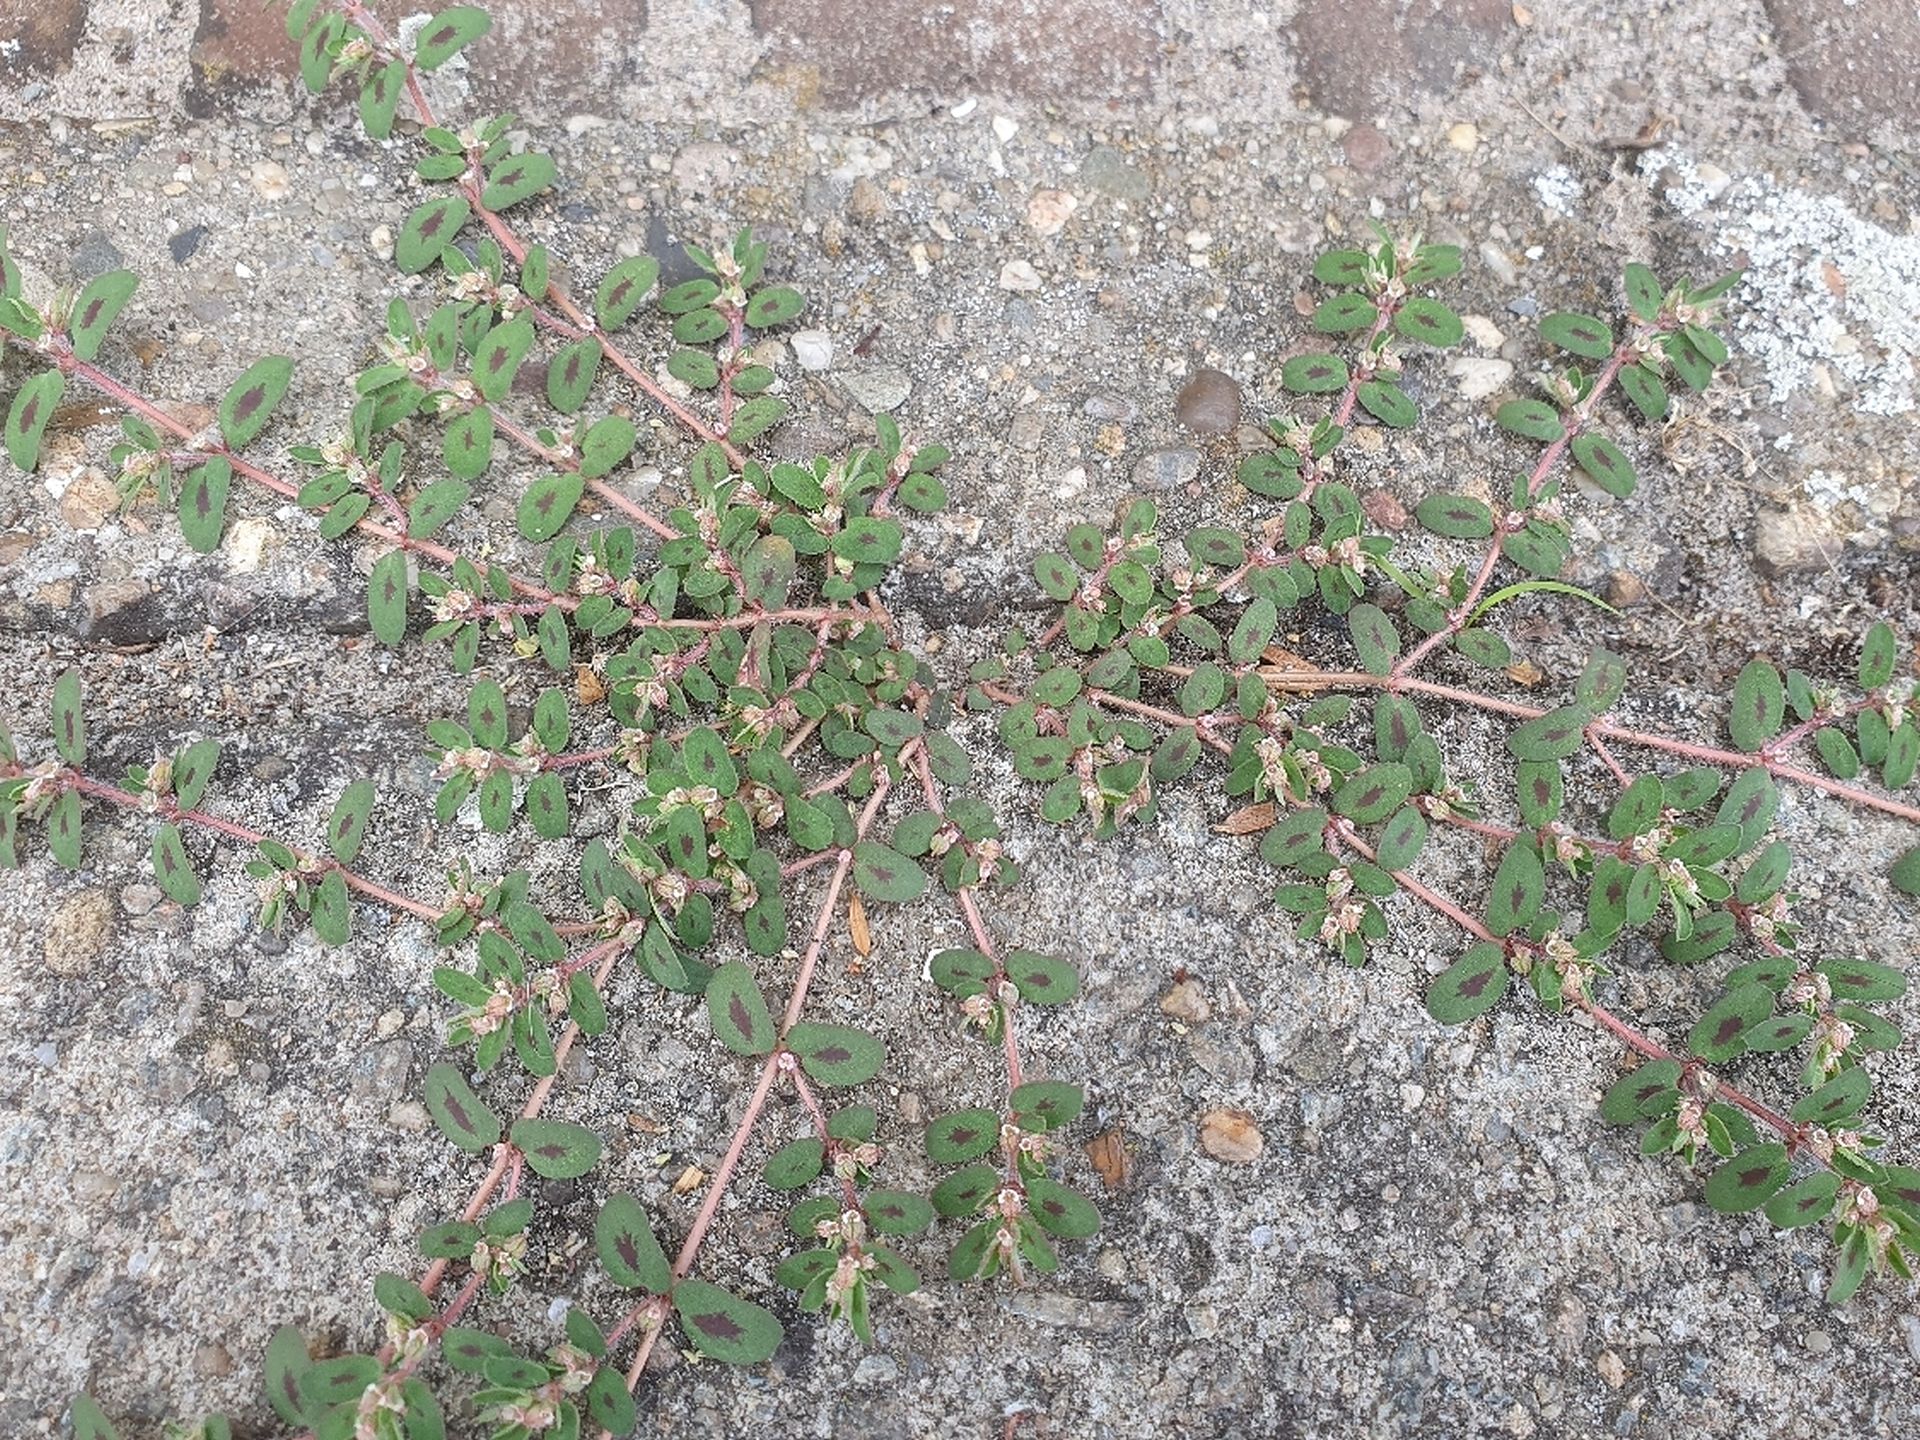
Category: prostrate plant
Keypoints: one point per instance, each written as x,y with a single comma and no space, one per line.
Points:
775,751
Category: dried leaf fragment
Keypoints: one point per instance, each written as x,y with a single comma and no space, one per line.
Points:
1111,1162
1247,819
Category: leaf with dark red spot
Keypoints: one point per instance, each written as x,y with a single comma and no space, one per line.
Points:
548,504
724,1326
1759,706
965,1191
896,1212
624,288
250,401
63,830
738,1011
98,306
1641,1092
883,873
1863,981
1046,1104
1470,986
387,597
1719,1035
1458,517
172,868
1552,736
497,358
571,372
1314,374
965,1135
1061,1211
463,1117
69,723
467,445
515,178
836,1054
555,1149
487,715
447,33
1836,1101
203,503
1748,1180
628,1250
1374,793
1750,804
1806,1203
348,826
428,230
1041,979
286,1361
32,407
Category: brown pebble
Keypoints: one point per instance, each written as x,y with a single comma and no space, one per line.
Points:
1186,1001
1625,588
1366,148
1384,509
1209,403
1231,1136
211,1360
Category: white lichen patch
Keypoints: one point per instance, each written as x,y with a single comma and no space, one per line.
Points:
1826,292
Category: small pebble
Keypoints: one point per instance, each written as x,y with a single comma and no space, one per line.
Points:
1464,137
1231,1136
1049,210
813,349
1166,469
1019,275
270,180
1209,403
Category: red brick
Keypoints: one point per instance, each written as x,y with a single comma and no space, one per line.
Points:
1036,49
47,32
1854,65
1362,58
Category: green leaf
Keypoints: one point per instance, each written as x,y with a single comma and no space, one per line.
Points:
33,405
172,869
1470,986
1403,839
1374,793
69,723
1341,313
738,1011
755,418
774,306
570,374
1061,1211
1864,982
463,1117
1251,636
1041,979
428,230
434,506
1297,835
608,442
965,1135
286,1361
1552,736
90,1421
797,1163
1605,464
380,96
193,770
348,826
468,443
1314,374
1720,1034
1601,681
547,505
386,598
63,830
1748,1180
1374,637
1836,1101
896,1212
1342,267
1640,1093
99,304
1388,404
1750,805
628,1251
624,288
885,874
1429,322
1043,1105
1645,294
724,1326
250,401
332,913
516,178
1637,810
695,368
965,1191
203,504
1759,705
1905,873
447,34
1642,386
1879,653
1534,419
1805,1203
555,1149
1519,887
1459,517
1581,334
836,1054
497,359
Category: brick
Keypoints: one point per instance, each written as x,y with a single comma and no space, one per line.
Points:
1365,58
1856,65
1033,49
48,31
